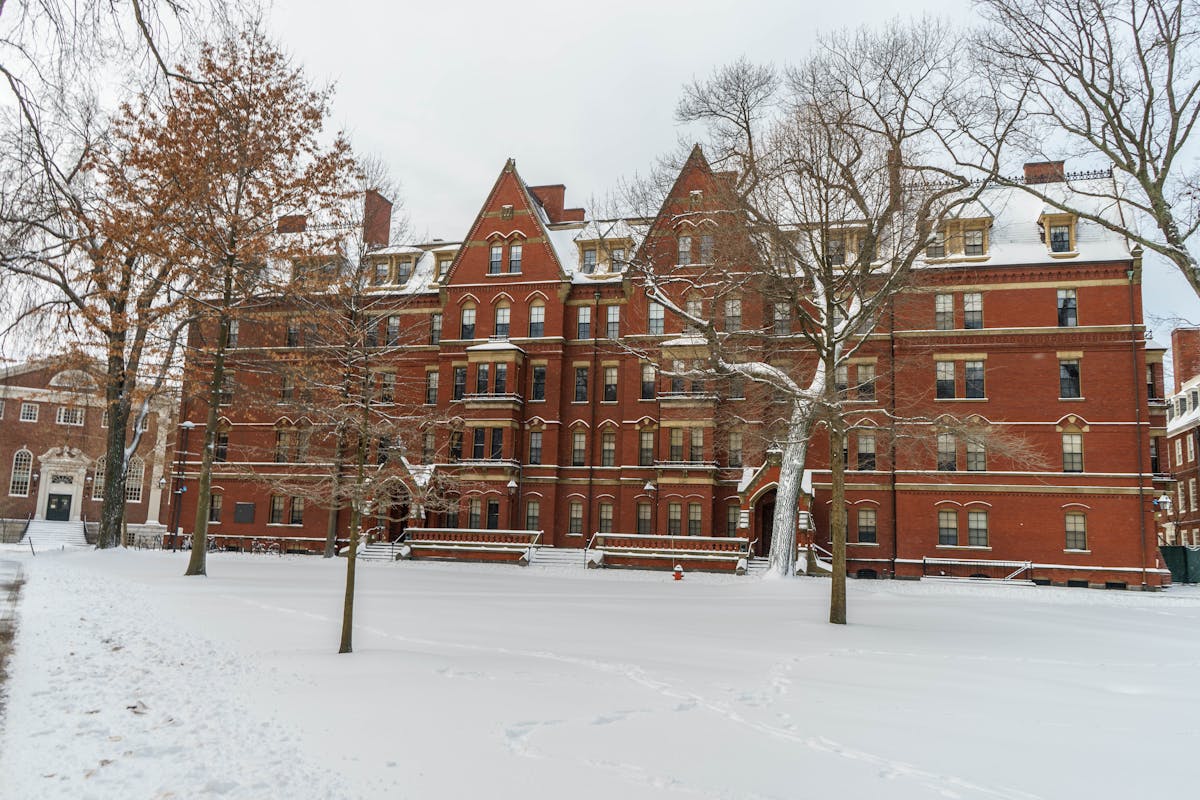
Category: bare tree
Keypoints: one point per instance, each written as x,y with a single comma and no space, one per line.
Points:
828,181
1118,78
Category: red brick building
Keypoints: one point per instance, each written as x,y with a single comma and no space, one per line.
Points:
1179,509
539,351
53,425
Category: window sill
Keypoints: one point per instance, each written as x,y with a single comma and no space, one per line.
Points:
1071,399
1067,254
285,524
960,399
1078,552
964,547
862,544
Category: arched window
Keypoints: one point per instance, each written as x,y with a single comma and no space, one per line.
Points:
98,478
537,319
135,473
503,318
22,473
468,322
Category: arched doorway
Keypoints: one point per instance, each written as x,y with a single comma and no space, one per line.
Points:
764,523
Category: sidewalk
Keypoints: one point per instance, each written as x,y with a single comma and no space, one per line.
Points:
10,580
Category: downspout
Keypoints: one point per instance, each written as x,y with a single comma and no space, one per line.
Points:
1137,405
892,445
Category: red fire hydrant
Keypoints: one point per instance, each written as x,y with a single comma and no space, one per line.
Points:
678,573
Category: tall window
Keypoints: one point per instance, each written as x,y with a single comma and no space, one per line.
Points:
581,384
1076,530
674,518
608,449
973,310
478,443
948,528
1068,378
866,526
431,387
646,449
866,451
278,503
387,386
501,384
383,273
221,446
428,443
732,514
435,329
22,473
733,315
684,250
404,269
695,519
497,451
841,379
215,501
537,320
483,377
392,334
613,322
1068,312
535,447
610,384
98,478
606,517
460,382
514,258
444,266
734,455
706,248
456,445
866,381
575,517
578,449
232,337
976,457
474,512
291,336
589,261
676,450
495,259
945,379
696,444
677,380
616,259
533,515
648,381
694,308
943,312
503,315
1072,447
538,390
285,444
977,528
296,511
643,519
657,316
947,452
974,378
584,326
468,323
782,313
493,514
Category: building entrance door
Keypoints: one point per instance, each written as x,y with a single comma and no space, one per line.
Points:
58,507
766,522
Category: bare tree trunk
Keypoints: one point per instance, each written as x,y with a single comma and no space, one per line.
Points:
787,496
346,645
331,527
837,522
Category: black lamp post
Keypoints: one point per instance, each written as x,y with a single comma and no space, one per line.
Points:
187,426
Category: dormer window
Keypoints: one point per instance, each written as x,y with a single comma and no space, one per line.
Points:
937,248
589,261
404,269
1058,232
617,260
973,244
1060,238
444,266
835,252
382,273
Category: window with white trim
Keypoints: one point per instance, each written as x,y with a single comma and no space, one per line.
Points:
867,531
977,529
135,474
70,415
533,515
948,528
575,517
22,473
1076,531
657,317
29,412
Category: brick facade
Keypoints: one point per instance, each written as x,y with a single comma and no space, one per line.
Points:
1089,520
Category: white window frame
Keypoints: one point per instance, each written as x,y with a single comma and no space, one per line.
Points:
70,415
29,412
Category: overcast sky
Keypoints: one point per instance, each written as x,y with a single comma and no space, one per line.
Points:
577,93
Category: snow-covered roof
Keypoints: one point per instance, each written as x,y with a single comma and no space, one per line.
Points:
494,345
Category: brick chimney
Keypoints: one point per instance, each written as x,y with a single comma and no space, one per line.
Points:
377,220
552,197
1045,172
1185,355
292,223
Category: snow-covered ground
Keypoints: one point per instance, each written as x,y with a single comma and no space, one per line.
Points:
129,681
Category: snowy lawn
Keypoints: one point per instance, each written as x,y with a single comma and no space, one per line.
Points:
129,681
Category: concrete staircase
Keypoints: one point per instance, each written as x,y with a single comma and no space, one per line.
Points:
379,551
47,535
558,557
757,565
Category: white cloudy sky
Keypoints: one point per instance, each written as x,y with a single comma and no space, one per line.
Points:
578,93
